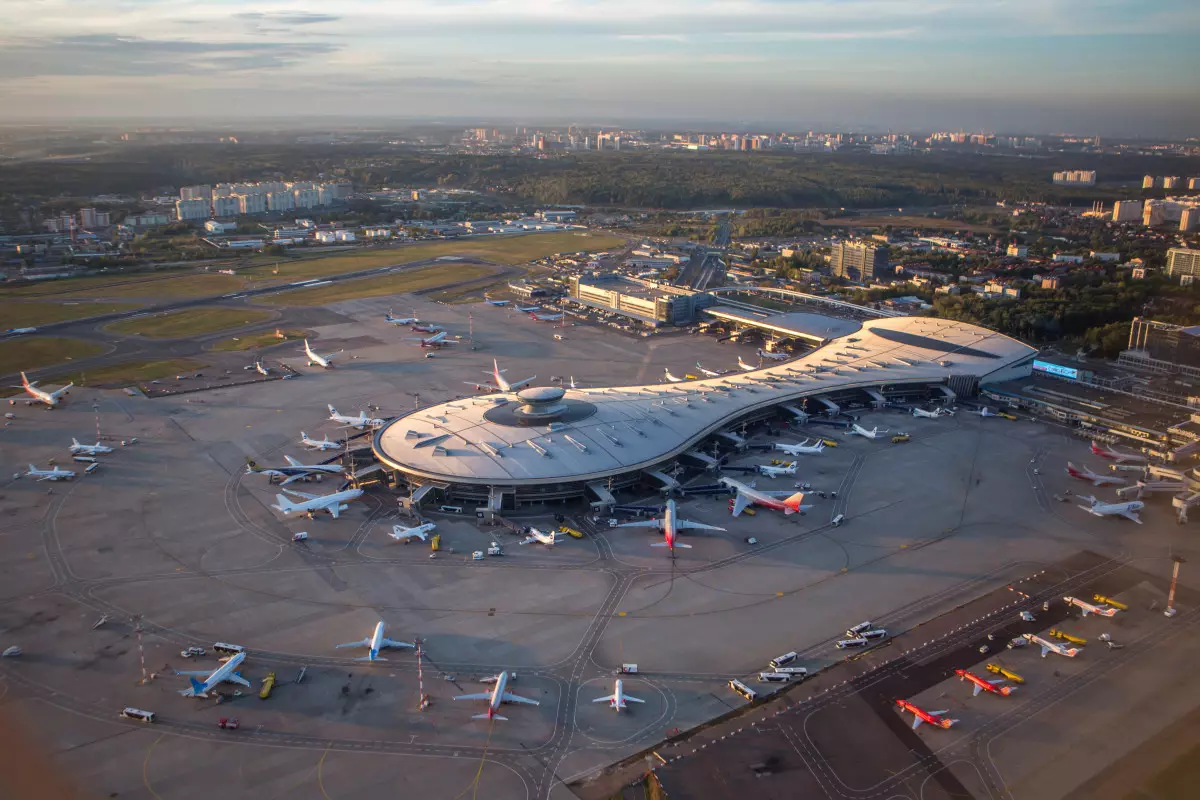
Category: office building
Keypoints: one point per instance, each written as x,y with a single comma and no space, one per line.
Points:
1162,347
204,193
643,301
191,210
1127,211
1075,177
1183,261
859,261
91,218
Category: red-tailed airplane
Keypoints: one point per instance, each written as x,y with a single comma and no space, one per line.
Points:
1086,474
1115,455
934,718
670,524
984,685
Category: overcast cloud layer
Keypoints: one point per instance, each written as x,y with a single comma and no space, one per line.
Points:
1123,67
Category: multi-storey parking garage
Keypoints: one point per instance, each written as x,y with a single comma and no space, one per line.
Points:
552,443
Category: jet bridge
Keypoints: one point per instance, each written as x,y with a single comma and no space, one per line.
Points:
738,441
800,416
606,499
704,458
832,407
876,397
669,484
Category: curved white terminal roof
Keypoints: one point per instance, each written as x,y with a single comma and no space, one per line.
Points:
615,430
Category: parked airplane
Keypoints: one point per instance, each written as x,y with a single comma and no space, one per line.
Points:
934,718
801,448
313,444
772,356
334,503
399,320
983,684
745,366
261,368
671,377
88,449
787,502
1088,608
51,399
1051,647
403,534
1128,510
1086,474
360,422
618,697
226,673
498,303
769,471
496,697
426,327
1113,454
548,539
19,331
437,340
670,524
858,430
712,373
502,385
55,474
986,412
319,360
937,412
546,317
294,471
374,643
528,309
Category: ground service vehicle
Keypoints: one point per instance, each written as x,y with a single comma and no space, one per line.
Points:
629,669
899,438
228,724
138,714
742,689
877,633
450,509
859,628
748,511
435,543
795,672
267,685
848,643
779,661
773,677
192,651
574,534
838,520
228,649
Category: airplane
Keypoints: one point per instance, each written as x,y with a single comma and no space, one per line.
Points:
712,373
937,412
1088,608
322,445
294,471
670,525
772,356
934,718
51,399
548,539
497,303
774,472
803,447
745,366
402,534
787,502
437,340
226,673
1115,455
496,697
618,697
319,360
671,377
360,422
858,430
1086,474
528,309
428,327
19,331
55,474
399,320
501,384
986,412
546,317
1128,510
1051,647
334,503
88,449
262,370
983,684
375,642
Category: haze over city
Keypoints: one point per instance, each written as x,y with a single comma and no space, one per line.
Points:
1114,68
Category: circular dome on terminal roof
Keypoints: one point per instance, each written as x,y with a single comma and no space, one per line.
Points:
541,394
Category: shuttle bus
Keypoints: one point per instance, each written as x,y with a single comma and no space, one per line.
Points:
138,714
228,649
742,689
779,661
773,677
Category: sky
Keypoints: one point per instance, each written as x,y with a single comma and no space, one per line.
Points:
1113,67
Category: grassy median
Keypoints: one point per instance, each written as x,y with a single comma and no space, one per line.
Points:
19,355
189,322
396,283
127,373
253,341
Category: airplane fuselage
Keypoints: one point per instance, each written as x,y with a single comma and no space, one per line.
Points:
219,676
936,720
982,684
1088,608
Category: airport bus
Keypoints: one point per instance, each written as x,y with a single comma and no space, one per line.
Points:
877,633
779,661
228,649
138,714
795,672
859,628
742,689
773,677
855,642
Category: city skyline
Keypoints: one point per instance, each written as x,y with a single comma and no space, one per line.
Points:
1037,66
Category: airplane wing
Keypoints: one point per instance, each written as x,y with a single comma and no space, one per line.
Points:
785,493
682,524
978,689
394,643
631,699
917,722
647,523
481,696
334,509
363,643
305,495
608,699
512,698
235,678
292,461
739,505
197,673
1131,515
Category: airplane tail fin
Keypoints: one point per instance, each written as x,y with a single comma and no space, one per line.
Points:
283,504
197,686
74,441
32,468
793,503
25,381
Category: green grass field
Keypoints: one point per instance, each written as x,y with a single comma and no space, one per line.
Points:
43,351
178,287
127,373
399,283
253,341
927,223
189,322
29,314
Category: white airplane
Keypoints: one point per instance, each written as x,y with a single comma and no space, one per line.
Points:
1086,474
360,422
670,524
618,697
769,471
55,474
712,373
802,448
549,539
1115,455
671,377
787,502
496,697
745,366
334,503
498,303
294,471
437,340
937,412
528,309
313,444
985,412
375,642
501,384
426,327
88,449
51,399
858,430
772,356
1128,510
1051,647
403,534
226,673
1089,608
320,360
19,331
261,369
546,317
399,320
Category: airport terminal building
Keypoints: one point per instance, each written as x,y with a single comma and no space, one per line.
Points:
548,444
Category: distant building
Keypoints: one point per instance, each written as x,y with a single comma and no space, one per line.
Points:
326,237
377,233
91,218
252,203
556,216
204,193
1194,183
215,227
307,198
1162,347
344,236
1189,220
1127,211
1066,258
1183,261
1052,282
646,302
1172,182
1018,251
1105,257
149,220
226,206
281,201
1151,182
859,262
191,210
1075,177
1166,211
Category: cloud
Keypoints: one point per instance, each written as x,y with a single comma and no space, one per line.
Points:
287,18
